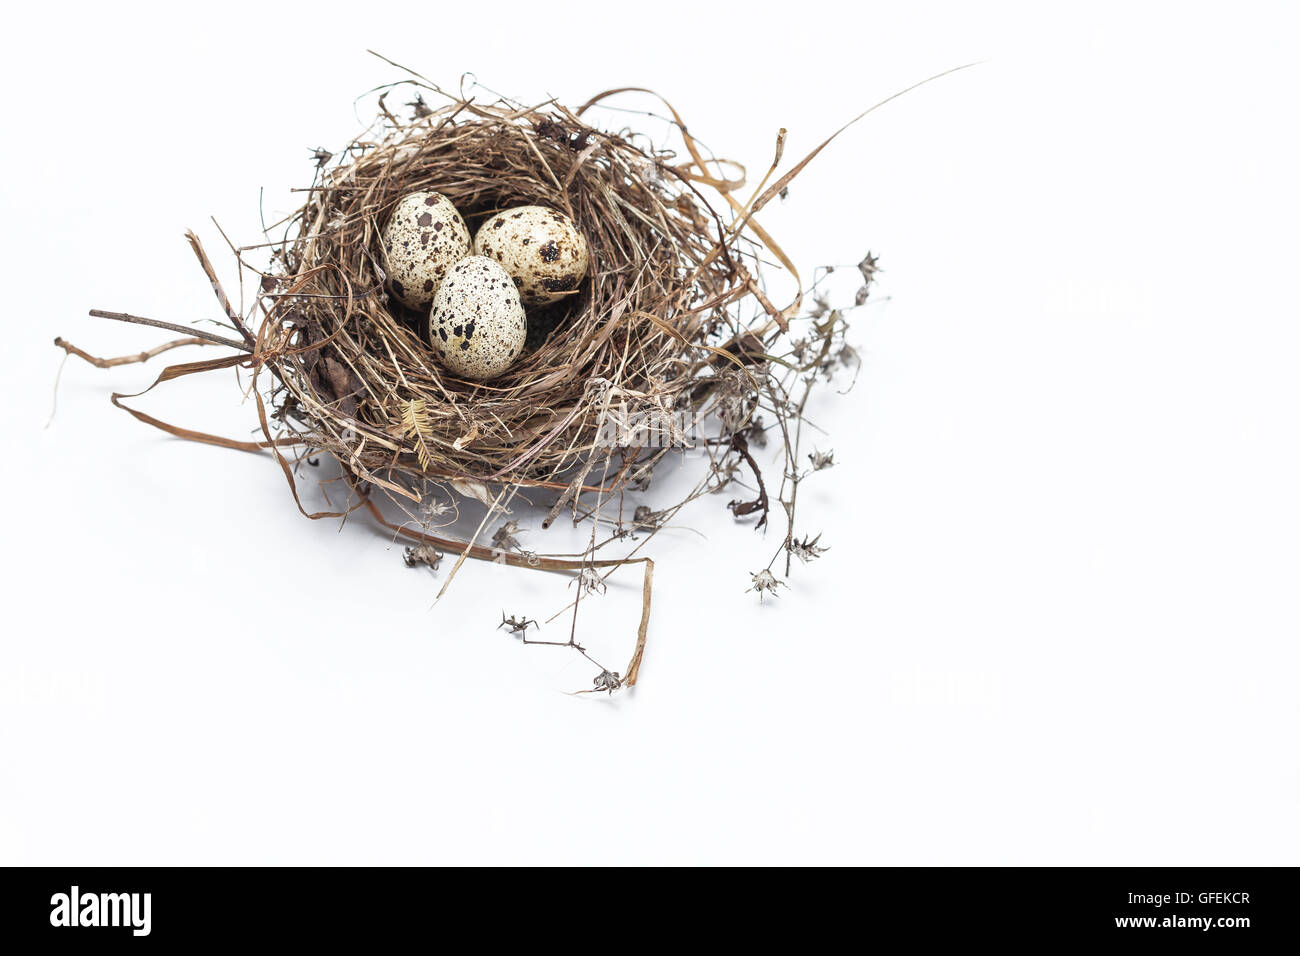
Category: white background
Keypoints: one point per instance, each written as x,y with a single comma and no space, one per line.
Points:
1058,622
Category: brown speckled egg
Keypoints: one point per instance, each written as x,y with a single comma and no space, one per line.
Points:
477,324
423,239
541,248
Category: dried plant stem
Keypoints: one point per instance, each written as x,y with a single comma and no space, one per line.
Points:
130,359
209,337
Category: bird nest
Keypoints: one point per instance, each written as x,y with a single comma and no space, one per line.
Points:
670,342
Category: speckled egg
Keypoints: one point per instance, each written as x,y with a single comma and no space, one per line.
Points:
540,248
423,239
477,324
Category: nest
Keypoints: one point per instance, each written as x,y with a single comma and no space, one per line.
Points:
356,366
670,329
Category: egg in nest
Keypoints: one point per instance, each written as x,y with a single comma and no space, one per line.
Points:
477,324
424,237
541,249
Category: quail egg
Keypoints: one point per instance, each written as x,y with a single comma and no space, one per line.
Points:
423,239
540,248
477,324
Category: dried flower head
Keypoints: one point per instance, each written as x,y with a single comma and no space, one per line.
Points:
589,581
806,550
504,539
516,625
821,459
425,554
434,508
869,267
765,581
607,681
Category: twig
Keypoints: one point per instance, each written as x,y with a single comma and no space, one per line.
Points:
130,359
211,337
